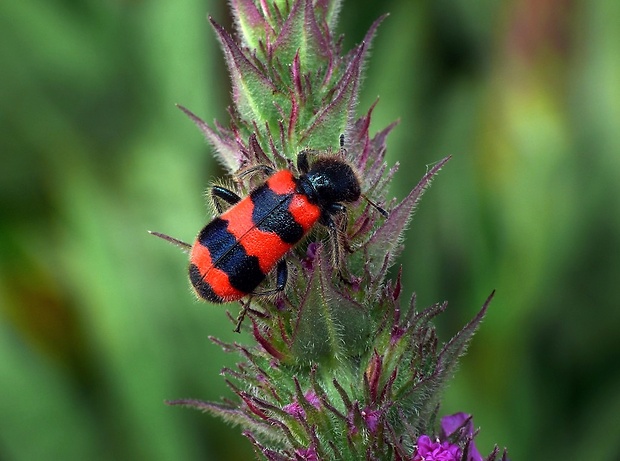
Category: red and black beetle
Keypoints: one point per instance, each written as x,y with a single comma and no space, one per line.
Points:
234,253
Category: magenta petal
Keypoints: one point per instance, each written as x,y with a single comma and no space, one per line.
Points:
313,399
371,418
307,454
427,450
425,444
472,452
451,423
295,409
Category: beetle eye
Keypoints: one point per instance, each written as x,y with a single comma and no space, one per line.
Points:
321,182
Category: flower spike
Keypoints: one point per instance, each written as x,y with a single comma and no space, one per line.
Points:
337,368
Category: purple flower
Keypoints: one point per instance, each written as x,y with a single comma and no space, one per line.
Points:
451,423
308,262
307,454
295,409
427,450
372,418
313,399
461,422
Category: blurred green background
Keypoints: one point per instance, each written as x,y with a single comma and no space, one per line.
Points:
97,324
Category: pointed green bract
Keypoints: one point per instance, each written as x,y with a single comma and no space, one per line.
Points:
329,9
388,237
334,119
251,25
329,325
255,95
300,35
316,334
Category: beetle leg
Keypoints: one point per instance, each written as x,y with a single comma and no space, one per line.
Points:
337,233
242,314
281,279
282,275
303,165
262,168
219,192
302,162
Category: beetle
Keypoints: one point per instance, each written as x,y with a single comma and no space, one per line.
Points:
234,252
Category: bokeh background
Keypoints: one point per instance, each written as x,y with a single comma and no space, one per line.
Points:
97,324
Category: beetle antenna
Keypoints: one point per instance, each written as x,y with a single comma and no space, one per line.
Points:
184,246
377,207
343,150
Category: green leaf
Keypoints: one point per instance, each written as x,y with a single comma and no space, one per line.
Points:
334,119
226,149
330,325
457,345
386,241
329,10
251,24
301,34
253,91
352,318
